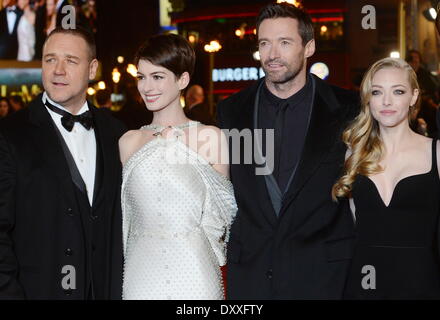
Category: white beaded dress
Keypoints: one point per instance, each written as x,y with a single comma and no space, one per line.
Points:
177,211
26,40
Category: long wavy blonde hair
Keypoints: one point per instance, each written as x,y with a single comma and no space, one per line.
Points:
362,136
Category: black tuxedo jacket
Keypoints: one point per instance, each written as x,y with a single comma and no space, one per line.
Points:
200,112
8,42
40,219
438,123
304,251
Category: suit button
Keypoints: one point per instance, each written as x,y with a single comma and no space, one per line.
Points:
93,217
70,212
68,252
269,274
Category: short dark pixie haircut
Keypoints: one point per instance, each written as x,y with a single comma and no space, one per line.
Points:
86,35
286,10
170,51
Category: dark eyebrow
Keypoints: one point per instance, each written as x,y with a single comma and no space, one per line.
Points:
153,73
286,38
281,38
158,72
69,56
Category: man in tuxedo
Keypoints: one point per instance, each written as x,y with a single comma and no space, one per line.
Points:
60,175
9,19
289,239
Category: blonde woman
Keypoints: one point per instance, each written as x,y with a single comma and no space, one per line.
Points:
391,178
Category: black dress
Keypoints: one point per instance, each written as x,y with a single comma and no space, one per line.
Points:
396,255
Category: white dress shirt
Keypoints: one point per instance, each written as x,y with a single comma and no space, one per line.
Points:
12,18
82,145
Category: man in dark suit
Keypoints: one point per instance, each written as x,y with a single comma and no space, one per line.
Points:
60,215
9,19
195,108
289,239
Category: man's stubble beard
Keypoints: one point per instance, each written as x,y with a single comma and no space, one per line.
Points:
286,77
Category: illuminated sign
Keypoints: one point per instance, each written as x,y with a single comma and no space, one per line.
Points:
237,74
165,8
20,76
26,81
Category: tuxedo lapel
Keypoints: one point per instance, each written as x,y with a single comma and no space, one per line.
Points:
245,121
47,142
99,167
322,133
19,16
3,22
244,116
106,165
74,172
271,184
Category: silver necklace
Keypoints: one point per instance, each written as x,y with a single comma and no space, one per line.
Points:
158,129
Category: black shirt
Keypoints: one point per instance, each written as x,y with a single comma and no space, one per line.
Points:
295,127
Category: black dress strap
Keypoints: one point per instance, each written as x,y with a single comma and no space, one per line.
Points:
434,156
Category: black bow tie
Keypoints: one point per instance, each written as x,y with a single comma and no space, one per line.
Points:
68,120
14,10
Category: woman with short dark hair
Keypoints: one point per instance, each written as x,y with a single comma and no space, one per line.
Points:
177,201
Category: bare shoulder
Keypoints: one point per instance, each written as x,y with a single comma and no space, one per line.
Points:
130,142
130,137
204,136
212,131
212,139
212,146
425,144
419,145
420,150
